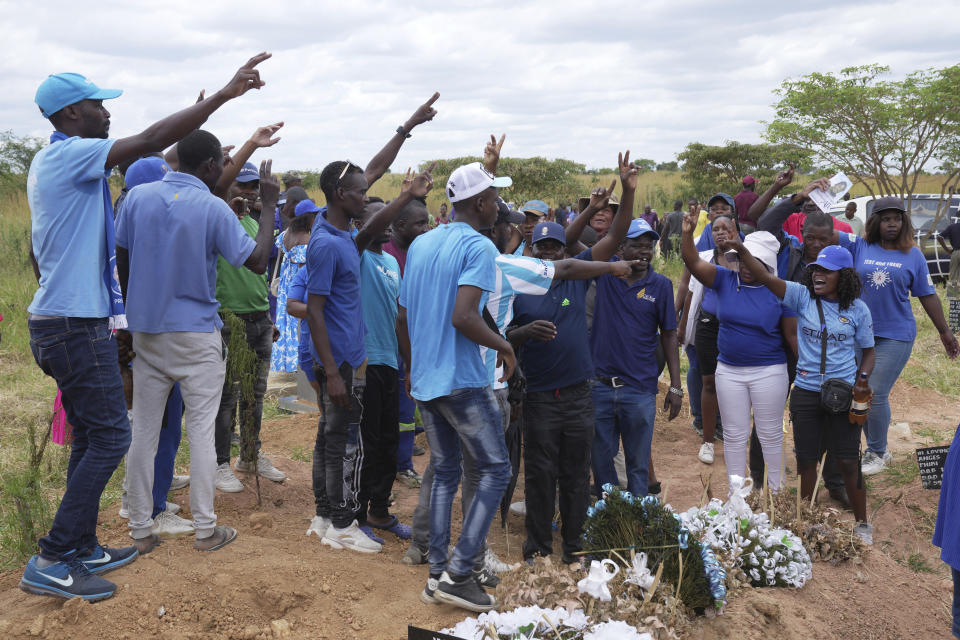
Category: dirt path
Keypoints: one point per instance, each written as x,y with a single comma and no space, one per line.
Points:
276,582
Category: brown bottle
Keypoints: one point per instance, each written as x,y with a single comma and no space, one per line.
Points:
860,406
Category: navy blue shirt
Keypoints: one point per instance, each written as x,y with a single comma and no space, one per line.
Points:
749,317
565,360
333,267
626,324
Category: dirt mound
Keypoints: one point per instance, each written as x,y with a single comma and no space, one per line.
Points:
276,582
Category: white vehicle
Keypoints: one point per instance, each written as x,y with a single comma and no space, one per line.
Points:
923,209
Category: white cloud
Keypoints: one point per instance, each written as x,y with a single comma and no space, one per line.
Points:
562,79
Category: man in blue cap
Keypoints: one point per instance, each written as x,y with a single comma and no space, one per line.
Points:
78,304
630,316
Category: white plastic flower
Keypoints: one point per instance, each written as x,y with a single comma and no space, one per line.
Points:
639,574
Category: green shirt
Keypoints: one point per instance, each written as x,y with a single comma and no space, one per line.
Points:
239,289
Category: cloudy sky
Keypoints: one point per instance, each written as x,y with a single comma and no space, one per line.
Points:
562,79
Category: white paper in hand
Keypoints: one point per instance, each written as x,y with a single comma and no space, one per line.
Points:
839,185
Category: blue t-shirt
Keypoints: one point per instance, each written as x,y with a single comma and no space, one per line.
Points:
438,263
783,256
67,216
333,266
627,322
750,333
565,360
174,229
515,275
889,277
847,331
298,291
379,290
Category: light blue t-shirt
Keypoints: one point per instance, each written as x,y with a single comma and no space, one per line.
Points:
67,215
379,290
174,230
515,275
847,331
889,278
438,263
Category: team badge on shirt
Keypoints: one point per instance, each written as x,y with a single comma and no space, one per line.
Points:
642,295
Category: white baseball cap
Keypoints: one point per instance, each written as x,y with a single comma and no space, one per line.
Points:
471,179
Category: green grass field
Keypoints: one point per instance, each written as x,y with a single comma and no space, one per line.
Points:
30,487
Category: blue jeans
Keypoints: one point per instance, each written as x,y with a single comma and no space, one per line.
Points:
167,446
473,417
694,382
622,413
81,355
890,358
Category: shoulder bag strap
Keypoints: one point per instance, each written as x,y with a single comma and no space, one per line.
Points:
823,341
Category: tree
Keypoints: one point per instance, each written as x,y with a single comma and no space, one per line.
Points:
533,178
668,166
645,164
708,169
16,154
881,133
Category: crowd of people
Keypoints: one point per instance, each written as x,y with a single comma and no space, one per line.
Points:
485,319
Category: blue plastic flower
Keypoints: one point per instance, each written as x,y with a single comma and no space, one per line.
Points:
600,505
591,512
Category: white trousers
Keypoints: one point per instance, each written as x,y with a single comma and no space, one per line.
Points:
764,389
196,361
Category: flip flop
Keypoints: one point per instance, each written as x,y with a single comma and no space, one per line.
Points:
370,534
222,536
396,527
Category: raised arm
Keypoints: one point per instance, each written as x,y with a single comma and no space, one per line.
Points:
759,271
261,138
699,268
491,153
608,245
269,193
379,164
773,219
763,201
599,198
418,187
164,133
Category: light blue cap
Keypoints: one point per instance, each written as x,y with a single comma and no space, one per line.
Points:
640,227
62,89
145,170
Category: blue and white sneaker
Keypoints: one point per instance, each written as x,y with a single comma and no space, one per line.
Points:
104,559
65,579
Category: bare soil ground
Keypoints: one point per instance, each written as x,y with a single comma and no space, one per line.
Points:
276,582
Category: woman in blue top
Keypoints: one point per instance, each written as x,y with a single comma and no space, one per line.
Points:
946,535
892,268
831,284
752,364
292,245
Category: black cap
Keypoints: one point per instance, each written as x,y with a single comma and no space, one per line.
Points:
887,203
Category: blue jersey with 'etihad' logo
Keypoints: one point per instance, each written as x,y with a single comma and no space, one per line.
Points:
846,330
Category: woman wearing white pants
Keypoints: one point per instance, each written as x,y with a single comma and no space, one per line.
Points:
752,361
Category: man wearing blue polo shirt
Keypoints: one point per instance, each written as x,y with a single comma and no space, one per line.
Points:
169,236
79,303
449,272
555,356
631,314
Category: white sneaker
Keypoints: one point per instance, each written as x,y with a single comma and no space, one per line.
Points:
179,482
706,453
350,538
518,508
265,468
318,526
493,564
168,525
172,508
873,464
226,481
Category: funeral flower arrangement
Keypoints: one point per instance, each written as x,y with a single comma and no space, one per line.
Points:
533,623
767,556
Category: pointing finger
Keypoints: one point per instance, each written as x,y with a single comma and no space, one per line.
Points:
433,98
257,59
613,185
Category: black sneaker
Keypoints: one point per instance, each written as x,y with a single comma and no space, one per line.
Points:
65,579
486,578
103,559
427,596
464,592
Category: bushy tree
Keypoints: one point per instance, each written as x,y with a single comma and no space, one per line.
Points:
16,154
882,133
533,178
708,169
668,166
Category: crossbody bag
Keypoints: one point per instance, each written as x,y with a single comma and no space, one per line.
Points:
836,394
